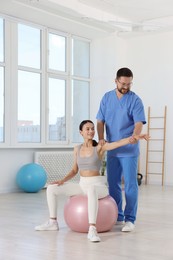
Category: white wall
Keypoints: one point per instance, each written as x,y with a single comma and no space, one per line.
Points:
153,64
11,160
151,60
107,55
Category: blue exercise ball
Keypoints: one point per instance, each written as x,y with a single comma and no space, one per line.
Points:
31,177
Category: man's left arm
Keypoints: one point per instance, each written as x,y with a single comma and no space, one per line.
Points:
138,128
137,131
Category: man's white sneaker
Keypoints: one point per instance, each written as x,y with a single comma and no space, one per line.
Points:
92,235
128,227
119,223
48,226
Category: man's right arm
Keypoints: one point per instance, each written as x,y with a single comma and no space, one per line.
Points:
100,131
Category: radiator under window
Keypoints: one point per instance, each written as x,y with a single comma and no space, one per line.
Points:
56,164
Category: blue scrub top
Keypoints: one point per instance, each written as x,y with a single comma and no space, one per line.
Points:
120,116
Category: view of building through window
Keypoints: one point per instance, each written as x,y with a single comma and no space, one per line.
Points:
52,87
57,102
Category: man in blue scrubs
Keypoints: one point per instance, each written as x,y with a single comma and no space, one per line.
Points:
121,113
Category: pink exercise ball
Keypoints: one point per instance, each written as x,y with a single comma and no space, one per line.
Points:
76,214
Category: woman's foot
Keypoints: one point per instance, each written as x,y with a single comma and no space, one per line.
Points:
50,225
92,234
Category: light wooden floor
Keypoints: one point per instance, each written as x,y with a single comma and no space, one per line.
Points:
151,240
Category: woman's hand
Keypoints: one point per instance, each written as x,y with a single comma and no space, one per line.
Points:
102,142
142,136
58,182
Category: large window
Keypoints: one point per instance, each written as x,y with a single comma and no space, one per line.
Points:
57,52
29,47
81,58
2,96
80,89
50,87
1,40
28,107
80,84
57,112
57,85
29,91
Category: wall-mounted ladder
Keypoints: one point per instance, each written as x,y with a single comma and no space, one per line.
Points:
155,152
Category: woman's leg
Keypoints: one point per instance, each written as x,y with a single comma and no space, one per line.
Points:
94,193
95,188
53,191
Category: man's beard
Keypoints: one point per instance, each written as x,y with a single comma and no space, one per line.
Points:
123,90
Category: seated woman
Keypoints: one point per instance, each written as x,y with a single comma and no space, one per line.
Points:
87,161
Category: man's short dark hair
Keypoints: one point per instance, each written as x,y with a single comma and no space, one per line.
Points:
124,72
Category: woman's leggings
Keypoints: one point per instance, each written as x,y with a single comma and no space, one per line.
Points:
94,187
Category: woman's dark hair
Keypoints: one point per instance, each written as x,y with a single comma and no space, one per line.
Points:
81,127
124,72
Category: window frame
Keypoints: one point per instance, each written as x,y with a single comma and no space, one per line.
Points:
11,85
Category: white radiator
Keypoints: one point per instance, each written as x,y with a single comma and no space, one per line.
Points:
56,164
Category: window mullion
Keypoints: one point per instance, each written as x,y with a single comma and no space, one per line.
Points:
69,90
44,84
13,83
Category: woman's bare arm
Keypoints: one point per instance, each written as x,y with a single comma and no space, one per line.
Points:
122,142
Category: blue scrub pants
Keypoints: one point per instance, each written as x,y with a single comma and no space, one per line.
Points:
126,167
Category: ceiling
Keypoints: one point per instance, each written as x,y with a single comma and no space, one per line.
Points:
125,17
